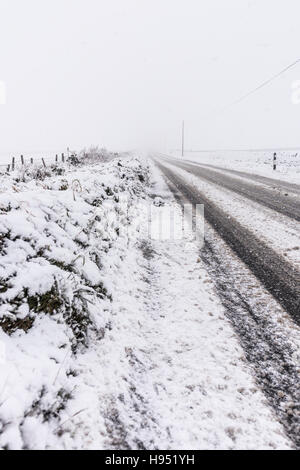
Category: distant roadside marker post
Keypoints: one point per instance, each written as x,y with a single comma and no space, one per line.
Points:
274,161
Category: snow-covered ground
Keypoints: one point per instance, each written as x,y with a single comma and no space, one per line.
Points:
111,339
63,236
254,162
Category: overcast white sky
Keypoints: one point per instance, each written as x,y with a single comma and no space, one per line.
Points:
124,73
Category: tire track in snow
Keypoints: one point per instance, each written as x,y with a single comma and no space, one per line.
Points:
269,353
281,279
266,344
272,183
284,204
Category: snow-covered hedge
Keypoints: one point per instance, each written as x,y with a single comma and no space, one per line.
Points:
62,234
97,154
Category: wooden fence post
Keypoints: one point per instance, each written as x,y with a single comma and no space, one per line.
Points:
63,157
56,158
44,163
22,160
13,164
8,168
31,161
274,161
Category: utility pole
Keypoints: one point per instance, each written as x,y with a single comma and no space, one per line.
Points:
183,136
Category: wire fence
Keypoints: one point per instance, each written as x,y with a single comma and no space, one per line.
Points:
20,162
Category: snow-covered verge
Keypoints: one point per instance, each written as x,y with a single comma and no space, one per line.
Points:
254,162
63,236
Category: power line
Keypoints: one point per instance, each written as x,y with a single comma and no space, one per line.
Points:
262,85
249,93
259,87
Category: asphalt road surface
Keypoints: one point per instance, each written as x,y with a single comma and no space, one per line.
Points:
276,195
255,283
279,277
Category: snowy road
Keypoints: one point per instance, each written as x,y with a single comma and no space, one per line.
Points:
252,253
117,337
250,240
278,196
275,184
183,380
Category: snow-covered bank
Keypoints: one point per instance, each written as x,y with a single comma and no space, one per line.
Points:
63,238
254,162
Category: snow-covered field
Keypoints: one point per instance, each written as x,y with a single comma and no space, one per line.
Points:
111,339
254,162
